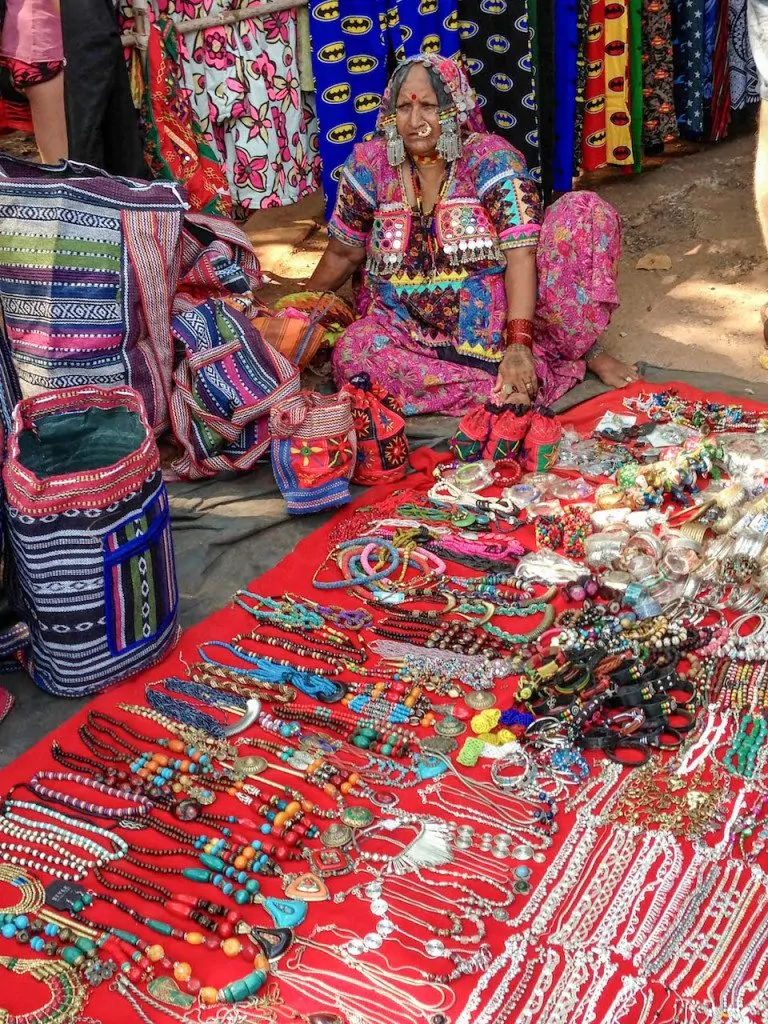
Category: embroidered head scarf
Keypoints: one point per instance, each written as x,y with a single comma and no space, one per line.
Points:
459,110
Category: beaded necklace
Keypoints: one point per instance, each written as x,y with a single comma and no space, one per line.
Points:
67,994
222,677
138,806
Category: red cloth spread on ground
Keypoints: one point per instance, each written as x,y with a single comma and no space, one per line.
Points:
293,574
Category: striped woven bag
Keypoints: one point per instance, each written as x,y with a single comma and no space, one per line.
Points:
88,272
88,520
223,390
314,450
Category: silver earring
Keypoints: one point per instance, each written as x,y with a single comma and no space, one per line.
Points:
395,147
449,143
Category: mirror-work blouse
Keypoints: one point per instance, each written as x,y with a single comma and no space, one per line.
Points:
442,273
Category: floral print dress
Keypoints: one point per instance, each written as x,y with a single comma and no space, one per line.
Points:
244,86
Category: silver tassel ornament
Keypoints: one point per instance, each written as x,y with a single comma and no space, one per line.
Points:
430,848
395,147
449,143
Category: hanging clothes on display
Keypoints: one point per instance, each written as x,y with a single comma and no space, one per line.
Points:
352,44
566,60
572,84
496,44
720,99
244,87
581,80
544,70
660,120
688,40
175,146
636,80
593,134
744,83
618,133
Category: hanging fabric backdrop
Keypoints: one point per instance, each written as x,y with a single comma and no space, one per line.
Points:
574,85
354,45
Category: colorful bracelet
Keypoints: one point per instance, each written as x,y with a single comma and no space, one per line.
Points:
520,332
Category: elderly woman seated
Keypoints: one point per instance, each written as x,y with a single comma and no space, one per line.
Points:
468,293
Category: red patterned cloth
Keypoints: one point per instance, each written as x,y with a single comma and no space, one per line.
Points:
593,151
175,146
7,700
490,432
542,442
23,74
382,447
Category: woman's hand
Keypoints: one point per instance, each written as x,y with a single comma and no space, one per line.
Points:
516,380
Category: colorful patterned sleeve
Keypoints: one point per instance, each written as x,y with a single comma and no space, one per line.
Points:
353,214
508,193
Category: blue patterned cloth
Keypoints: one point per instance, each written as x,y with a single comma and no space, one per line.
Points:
566,73
496,43
689,49
351,45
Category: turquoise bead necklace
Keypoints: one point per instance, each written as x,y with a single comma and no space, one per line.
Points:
742,755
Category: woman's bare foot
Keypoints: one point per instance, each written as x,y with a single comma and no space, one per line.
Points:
612,372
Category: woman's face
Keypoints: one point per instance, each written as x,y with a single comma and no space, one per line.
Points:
417,113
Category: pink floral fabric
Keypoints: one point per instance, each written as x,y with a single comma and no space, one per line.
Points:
244,86
577,259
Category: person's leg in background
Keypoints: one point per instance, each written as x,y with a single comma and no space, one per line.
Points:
101,120
757,16
46,101
32,50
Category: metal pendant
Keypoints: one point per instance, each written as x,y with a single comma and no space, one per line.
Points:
336,835
434,948
356,817
252,764
438,744
480,700
204,797
252,712
385,799
450,726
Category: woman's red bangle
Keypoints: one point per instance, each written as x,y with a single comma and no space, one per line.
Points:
520,332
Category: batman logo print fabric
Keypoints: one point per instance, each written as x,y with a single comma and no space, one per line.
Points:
495,41
354,43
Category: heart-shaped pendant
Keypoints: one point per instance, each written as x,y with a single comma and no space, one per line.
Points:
165,990
286,913
307,887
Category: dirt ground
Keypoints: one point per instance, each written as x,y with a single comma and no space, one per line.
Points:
703,313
